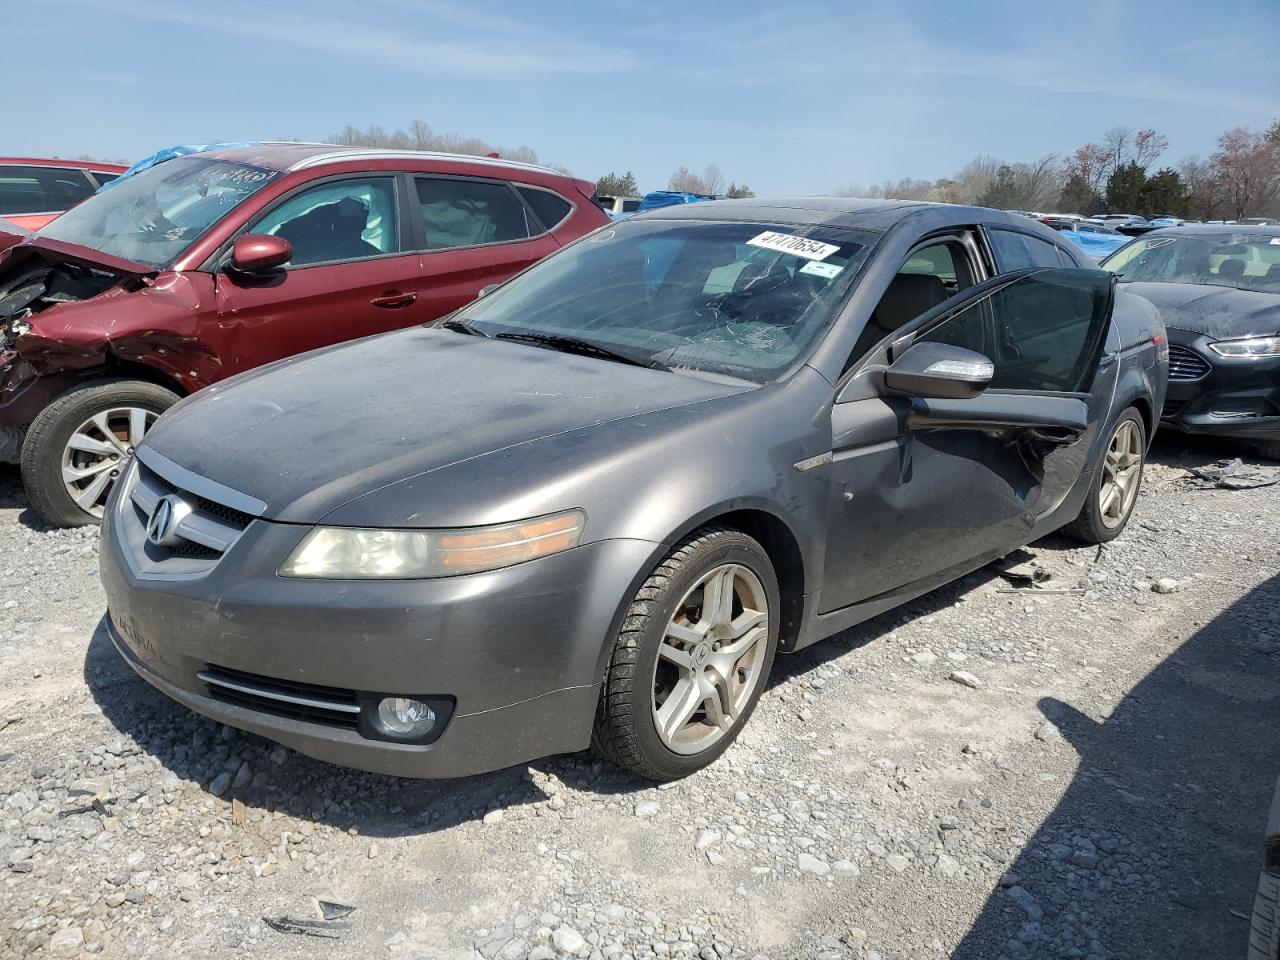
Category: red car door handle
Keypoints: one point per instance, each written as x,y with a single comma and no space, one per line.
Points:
394,301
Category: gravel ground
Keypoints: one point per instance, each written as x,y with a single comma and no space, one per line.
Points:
980,774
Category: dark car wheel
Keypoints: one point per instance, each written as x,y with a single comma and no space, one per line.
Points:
1117,478
1270,449
692,657
79,444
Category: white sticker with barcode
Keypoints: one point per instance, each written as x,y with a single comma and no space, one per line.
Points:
824,270
799,246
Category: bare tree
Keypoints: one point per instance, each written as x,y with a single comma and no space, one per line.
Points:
1247,169
713,180
1117,142
1091,164
1148,146
685,181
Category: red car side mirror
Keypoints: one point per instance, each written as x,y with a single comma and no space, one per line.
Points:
257,253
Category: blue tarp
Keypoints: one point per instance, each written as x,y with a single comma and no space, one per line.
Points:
1096,245
168,153
666,198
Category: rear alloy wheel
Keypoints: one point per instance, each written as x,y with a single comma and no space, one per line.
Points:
80,444
1116,482
692,657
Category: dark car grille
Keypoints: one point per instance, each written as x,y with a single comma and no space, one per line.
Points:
1185,364
202,536
331,706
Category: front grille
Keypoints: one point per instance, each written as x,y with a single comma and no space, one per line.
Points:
1186,364
332,706
202,532
237,518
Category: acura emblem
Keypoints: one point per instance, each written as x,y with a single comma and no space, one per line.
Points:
163,523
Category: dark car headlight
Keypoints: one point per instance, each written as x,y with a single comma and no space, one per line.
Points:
357,553
1248,347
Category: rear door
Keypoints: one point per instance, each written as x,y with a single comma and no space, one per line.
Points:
474,232
349,276
914,501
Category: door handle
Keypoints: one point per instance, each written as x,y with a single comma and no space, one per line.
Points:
394,301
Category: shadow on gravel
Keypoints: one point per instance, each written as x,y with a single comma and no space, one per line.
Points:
196,748
1158,838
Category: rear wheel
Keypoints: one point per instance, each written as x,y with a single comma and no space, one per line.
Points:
79,444
692,657
1270,449
1117,478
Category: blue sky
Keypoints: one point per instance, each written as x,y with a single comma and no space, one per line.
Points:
791,98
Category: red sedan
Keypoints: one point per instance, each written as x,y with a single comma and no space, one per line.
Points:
207,265
33,191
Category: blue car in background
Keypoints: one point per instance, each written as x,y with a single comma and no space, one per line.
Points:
1095,239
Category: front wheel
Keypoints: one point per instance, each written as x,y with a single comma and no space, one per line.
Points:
1113,489
79,444
692,657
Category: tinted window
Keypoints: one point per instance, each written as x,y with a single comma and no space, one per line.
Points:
550,207
41,189
468,213
104,177
1041,331
1014,251
343,220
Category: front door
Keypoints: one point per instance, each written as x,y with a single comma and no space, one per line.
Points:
911,501
348,276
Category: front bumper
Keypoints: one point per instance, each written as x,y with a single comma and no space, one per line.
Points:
1231,397
518,652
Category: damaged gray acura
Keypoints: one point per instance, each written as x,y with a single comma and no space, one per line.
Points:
589,508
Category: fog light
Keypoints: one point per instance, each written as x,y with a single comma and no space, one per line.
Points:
405,717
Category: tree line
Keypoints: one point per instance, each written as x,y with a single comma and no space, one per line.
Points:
420,136
1117,174
711,181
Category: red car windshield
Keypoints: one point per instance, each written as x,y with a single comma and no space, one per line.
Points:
153,216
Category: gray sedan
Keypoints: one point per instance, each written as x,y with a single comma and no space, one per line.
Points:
589,508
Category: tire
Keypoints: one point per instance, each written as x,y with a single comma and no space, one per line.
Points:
1270,450
1094,524
45,451
639,676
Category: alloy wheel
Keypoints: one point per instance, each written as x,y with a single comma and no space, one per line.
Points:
710,659
98,451
1121,475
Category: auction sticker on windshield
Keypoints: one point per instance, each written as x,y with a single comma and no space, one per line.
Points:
824,270
787,243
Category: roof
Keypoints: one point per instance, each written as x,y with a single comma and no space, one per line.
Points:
98,165
1216,229
304,156
830,211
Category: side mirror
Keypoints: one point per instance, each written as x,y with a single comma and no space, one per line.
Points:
258,253
939,371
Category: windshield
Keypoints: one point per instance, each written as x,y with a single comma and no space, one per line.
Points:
743,300
153,216
1242,261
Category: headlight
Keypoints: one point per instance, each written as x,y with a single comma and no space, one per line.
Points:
1248,347
349,553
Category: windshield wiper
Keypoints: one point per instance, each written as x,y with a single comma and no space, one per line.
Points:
581,347
460,326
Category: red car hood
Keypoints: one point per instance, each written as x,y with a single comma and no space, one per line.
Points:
59,251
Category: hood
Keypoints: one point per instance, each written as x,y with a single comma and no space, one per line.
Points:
310,433
59,251
1217,312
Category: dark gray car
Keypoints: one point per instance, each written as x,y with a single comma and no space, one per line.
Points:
590,507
